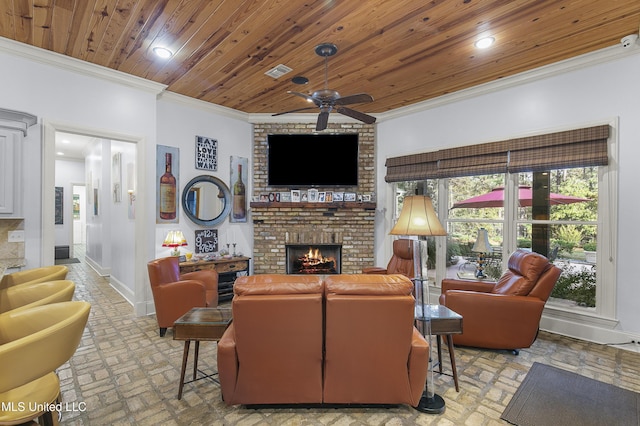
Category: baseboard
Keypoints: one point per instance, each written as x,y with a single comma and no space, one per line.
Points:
586,332
103,272
123,289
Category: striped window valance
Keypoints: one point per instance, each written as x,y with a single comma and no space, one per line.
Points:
572,148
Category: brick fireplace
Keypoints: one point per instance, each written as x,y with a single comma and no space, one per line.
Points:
346,224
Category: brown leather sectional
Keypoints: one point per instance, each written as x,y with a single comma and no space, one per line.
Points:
344,339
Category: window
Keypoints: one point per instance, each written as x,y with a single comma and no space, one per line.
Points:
558,194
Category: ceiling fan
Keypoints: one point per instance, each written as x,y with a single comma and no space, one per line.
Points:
330,100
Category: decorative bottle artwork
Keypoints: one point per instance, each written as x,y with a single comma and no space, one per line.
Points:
167,191
239,168
239,197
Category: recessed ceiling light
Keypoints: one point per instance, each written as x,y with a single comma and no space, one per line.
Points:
59,153
485,42
299,79
162,52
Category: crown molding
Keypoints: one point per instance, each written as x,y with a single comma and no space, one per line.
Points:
557,68
203,105
68,63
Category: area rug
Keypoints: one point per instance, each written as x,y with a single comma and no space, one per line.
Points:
66,261
552,396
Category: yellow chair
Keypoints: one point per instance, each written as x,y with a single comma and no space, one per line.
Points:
35,275
25,296
33,344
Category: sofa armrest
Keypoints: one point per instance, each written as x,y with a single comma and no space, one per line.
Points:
468,285
418,365
209,278
227,364
374,270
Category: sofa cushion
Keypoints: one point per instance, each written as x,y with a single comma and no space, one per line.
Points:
524,270
363,284
273,284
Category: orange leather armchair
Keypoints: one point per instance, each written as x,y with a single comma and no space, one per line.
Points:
174,293
506,314
272,351
373,352
35,275
33,344
401,262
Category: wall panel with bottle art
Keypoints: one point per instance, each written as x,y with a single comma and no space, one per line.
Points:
239,166
167,184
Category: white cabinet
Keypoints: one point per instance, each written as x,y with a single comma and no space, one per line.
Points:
8,179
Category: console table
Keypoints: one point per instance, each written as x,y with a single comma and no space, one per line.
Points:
228,270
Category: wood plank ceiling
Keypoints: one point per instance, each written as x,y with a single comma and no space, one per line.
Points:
399,51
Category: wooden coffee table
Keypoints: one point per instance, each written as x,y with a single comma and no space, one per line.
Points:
199,324
444,322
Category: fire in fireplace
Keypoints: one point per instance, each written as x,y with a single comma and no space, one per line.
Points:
313,259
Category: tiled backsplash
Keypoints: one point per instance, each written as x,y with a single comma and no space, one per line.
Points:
11,254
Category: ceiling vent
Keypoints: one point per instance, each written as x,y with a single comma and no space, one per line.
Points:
278,71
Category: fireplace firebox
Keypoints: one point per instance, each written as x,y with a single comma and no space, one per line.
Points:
313,258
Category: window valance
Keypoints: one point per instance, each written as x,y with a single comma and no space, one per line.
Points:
573,148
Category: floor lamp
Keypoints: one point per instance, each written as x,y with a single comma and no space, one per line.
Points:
418,218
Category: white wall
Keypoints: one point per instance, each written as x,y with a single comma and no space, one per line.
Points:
178,126
594,94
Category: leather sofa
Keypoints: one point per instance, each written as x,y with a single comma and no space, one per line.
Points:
347,339
504,314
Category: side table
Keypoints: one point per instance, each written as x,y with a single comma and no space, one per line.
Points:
444,322
199,324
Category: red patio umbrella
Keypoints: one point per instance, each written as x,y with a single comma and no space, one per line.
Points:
495,198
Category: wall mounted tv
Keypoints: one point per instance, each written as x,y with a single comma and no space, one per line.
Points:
312,160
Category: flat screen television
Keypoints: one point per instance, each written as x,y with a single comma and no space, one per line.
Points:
312,160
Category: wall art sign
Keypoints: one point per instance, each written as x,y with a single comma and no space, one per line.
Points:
239,177
206,153
206,241
59,203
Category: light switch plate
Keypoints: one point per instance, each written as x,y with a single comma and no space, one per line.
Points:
16,236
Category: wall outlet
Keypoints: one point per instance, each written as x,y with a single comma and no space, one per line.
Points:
16,236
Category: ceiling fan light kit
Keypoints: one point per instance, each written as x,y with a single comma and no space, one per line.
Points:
329,100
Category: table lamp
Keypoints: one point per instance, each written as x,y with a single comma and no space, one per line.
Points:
418,218
174,239
482,247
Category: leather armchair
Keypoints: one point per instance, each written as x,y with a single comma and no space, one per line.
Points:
25,296
35,275
33,343
401,262
272,351
506,314
174,293
373,352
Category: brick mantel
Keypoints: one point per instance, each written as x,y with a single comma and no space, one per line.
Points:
348,223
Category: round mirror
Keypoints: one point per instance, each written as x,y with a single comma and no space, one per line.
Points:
206,200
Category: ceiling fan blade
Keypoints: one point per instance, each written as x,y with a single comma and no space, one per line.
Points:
305,96
359,98
323,120
365,118
293,110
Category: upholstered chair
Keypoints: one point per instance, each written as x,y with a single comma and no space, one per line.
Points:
373,352
401,262
33,344
35,275
272,351
174,293
504,314
25,296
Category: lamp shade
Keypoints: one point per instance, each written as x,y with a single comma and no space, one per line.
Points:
418,218
174,239
482,242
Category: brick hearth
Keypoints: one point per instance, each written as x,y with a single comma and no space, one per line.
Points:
277,224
